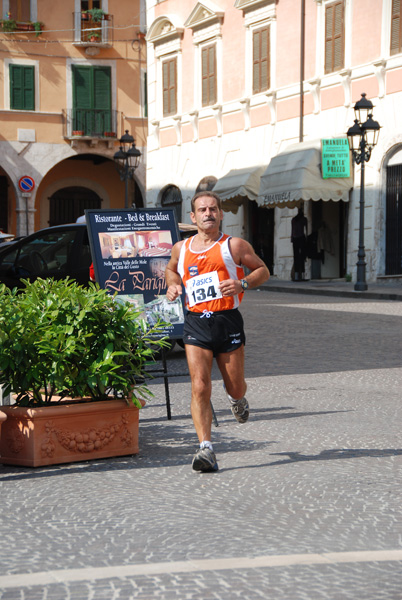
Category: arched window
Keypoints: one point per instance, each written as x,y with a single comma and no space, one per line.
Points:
172,198
206,184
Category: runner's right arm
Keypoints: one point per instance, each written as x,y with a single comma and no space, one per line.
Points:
173,279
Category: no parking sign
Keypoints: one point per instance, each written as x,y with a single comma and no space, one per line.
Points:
26,184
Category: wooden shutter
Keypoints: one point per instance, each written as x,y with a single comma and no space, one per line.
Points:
22,87
261,44
396,30
102,100
91,99
334,37
20,10
169,87
208,67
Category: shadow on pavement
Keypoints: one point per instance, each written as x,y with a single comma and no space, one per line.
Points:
165,446
333,454
336,454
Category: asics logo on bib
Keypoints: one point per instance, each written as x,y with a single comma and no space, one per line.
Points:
203,281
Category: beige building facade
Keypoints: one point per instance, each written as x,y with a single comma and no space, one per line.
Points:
241,95
72,82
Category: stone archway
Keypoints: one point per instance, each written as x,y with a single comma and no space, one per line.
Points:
69,203
393,215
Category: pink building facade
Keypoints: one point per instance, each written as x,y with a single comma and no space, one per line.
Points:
241,94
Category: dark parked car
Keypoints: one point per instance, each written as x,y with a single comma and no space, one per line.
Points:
58,252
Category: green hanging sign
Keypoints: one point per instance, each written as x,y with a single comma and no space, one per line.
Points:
335,158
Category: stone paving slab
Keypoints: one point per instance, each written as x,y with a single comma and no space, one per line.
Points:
317,470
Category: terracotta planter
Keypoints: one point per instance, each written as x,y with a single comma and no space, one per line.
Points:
69,432
3,417
25,27
78,132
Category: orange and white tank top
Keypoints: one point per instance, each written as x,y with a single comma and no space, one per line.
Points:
201,272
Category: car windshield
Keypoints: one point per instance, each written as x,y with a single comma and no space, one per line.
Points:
46,252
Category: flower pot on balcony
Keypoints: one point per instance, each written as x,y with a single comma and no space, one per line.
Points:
25,27
78,132
110,134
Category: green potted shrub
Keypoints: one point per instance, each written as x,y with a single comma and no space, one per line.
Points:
64,349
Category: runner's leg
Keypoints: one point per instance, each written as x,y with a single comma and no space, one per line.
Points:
200,364
231,366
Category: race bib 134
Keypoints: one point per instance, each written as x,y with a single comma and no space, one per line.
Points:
203,288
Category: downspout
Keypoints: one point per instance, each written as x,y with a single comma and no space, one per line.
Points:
302,60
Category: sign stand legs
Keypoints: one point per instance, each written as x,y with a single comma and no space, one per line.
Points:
165,377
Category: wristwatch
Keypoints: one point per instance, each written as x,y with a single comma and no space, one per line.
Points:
244,284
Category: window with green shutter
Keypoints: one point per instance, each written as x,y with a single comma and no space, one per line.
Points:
208,66
169,69
396,29
92,99
261,79
22,87
334,37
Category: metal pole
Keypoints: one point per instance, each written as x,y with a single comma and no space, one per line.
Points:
302,53
126,184
361,284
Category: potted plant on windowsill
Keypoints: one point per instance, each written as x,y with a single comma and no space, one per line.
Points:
8,25
38,27
75,361
94,37
96,14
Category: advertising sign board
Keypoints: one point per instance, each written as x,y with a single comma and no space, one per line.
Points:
335,158
130,250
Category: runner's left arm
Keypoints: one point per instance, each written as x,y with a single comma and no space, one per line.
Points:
244,255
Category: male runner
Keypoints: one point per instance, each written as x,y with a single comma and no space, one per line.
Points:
210,265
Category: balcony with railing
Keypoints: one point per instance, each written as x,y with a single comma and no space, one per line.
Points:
93,28
90,124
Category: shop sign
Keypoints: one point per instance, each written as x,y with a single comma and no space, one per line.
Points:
335,158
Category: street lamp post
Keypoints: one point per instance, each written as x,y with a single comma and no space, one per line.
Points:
127,159
362,136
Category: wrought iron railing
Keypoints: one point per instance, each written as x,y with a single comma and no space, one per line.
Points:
92,123
90,31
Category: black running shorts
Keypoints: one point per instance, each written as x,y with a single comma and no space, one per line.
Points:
221,331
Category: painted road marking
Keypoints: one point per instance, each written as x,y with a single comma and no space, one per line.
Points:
195,566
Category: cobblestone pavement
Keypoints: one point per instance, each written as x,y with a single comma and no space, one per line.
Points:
307,502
